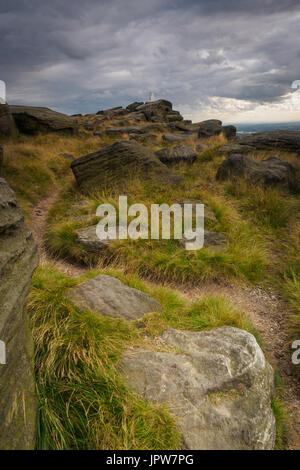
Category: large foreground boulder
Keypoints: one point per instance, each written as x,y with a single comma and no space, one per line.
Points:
283,140
18,259
7,124
115,165
180,153
109,296
271,172
33,120
216,383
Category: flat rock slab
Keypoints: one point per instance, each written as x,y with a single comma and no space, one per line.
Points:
278,139
180,153
176,137
218,386
32,120
271,172
109,296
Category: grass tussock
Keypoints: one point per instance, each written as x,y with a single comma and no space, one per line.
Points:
244,259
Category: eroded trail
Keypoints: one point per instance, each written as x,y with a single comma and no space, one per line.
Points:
38,225
266,310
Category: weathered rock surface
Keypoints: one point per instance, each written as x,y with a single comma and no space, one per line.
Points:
7,124
18,259
133,106
87,238
218,386
283,140
180,153
271,172
142,129
176,137
33,120
116,164
235,148
109,296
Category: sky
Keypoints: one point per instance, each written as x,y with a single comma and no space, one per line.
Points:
230,60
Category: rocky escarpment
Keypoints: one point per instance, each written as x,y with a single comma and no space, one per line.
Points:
18,259
282,140
216,383
271,172
108,296
33,120
118,163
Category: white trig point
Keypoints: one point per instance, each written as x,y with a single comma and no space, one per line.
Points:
151,96
2,352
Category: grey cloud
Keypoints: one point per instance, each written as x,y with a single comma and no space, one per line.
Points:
81,56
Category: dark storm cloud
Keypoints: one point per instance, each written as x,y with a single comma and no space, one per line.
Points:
80,56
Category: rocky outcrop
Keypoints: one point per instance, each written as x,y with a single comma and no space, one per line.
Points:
156,111
284,140
176,137
118,163
108,296
180,153
271,172
229,132
216,383
133,106
112,112
235,148
142,129
18,259
7,124
33,120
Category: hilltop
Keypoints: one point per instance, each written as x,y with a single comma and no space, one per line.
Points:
126,332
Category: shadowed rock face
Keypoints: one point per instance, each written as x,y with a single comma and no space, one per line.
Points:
109,296
218,386
7,124
33,120
18,259
283,140
118,163
271,172
180,153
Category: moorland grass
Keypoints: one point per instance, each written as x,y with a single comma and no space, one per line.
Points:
83,402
